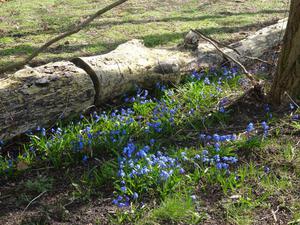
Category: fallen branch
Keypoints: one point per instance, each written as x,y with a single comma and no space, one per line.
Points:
73,30
215,44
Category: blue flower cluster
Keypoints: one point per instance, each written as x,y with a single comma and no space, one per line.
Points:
139,170
142,97
216,157
296,117
217,138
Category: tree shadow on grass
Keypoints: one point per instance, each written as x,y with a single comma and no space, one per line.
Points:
57,52
101,24
150,40
183,18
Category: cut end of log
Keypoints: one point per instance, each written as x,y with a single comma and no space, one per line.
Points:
79,62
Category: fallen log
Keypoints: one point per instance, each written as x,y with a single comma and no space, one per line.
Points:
253,46
39,96
132,64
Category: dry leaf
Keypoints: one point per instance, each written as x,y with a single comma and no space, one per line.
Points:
22,165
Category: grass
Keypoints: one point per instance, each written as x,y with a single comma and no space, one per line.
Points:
174,210
26,24
154,159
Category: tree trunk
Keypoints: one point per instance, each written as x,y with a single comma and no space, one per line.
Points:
287,76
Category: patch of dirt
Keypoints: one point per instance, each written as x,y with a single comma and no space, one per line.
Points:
56,205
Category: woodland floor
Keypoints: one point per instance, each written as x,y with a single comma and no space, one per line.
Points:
268,171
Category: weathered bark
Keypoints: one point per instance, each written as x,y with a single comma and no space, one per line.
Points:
287,76
132,64
39,96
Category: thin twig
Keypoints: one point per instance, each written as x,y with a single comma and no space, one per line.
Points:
259,60
73,30
274,214
247,73
292,99
235,50
216,41
33,201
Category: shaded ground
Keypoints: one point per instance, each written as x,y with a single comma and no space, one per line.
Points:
26,24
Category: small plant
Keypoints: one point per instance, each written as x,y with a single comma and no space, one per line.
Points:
176,209
39,184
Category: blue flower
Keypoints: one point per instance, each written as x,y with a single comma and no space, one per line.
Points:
225,166
250,127
135,196
217,147
222,109
219,166
152,142
266,169
197,157
207,81
129,149
121,204
219,89
202,136
265,125
59,131
84,159
164,175
181,171
217,158
196,75
216,137
193,197
43,132
265,128
10,163
204,152
115,202
232,160
121,173
267,108
296,117
123,189
79,146
141,154
145,170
